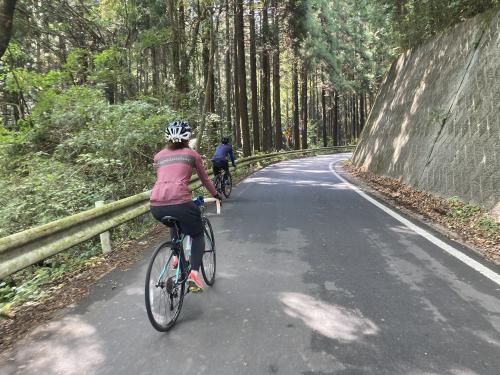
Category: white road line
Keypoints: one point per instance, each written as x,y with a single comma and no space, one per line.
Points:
483,270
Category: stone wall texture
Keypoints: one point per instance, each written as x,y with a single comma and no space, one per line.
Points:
435,124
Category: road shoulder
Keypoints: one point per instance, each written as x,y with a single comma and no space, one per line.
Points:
488,256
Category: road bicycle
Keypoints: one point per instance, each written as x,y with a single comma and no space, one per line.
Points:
223,183
166,285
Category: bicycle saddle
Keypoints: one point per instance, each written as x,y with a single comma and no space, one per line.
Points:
169,221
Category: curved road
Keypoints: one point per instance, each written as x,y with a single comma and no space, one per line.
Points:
312,279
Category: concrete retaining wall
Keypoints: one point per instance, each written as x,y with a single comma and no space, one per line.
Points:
435,124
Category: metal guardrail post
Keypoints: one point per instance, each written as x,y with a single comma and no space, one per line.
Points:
104,236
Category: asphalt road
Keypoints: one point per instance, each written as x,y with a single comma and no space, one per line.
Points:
311,279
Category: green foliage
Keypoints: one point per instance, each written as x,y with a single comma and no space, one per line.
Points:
30,82
35,283
73,150
110,69
473,215
488,225
350,41
417,20
312,131
77,65
462,211
78,149
58,116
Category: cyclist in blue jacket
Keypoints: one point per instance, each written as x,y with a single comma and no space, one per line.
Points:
219,160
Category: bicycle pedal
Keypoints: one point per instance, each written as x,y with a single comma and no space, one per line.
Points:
193,288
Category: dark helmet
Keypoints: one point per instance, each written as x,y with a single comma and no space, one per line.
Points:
225,140
178,131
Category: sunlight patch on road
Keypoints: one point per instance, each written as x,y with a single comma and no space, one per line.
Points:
332,321
134,291
68,346
308,183
453,371
226,275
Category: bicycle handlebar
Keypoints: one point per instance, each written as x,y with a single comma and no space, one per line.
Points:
217,203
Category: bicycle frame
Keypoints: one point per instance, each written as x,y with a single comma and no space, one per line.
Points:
183,265
178,250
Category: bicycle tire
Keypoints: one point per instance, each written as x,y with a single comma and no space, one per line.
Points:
227,186
218,184
208,262
176,290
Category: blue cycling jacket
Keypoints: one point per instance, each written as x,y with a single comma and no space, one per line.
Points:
222,151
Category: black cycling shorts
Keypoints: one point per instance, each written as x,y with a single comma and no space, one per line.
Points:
188,214
218,165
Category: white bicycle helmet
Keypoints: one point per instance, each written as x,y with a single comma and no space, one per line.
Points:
178,131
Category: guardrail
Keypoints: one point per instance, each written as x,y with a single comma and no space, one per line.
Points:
28,247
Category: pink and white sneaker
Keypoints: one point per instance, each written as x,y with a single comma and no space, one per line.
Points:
194,282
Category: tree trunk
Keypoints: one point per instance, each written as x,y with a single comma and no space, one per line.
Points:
7,8
184,63
313,108
266,82
205,56
173,17
228,72
304,106
330,117
237,117
206,41
362,111
367,109
253,81
336,140
352,114
209,84
156,73
296,121
346,119
276,80
323,104
242,79
277,99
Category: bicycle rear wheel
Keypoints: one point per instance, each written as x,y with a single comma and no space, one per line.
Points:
208,260
218,184
227,185
164,295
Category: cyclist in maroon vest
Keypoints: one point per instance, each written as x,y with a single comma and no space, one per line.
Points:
171,196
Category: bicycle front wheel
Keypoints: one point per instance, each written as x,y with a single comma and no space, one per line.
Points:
164,290
208,260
